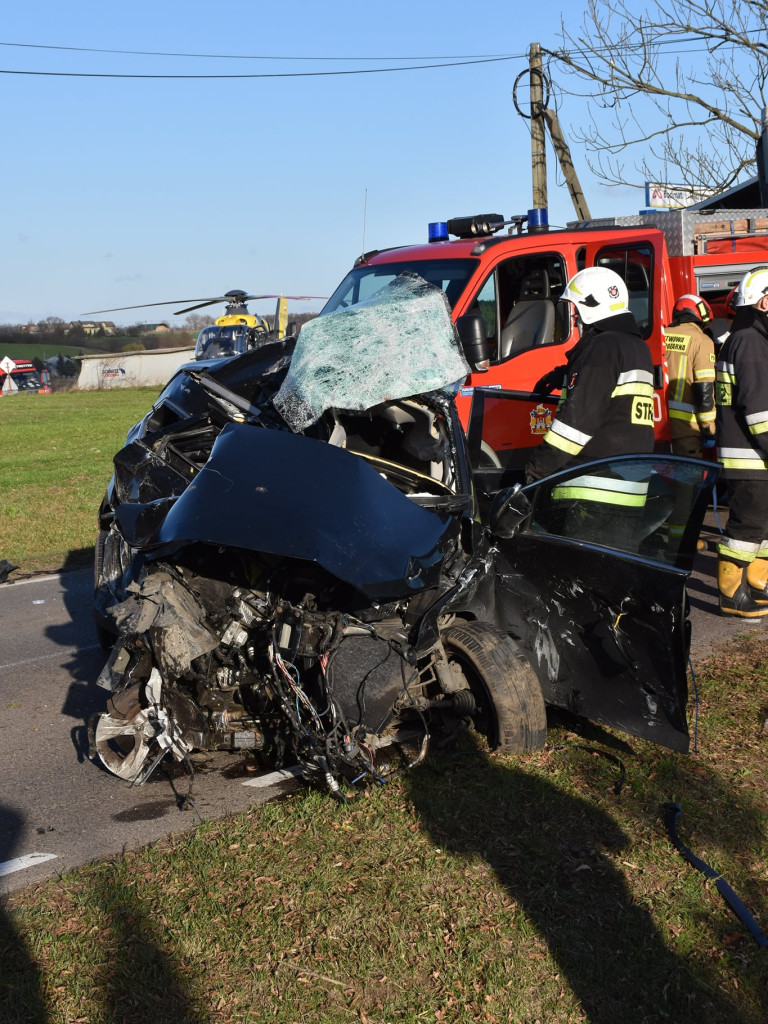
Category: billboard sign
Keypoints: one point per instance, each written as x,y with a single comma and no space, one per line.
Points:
673,197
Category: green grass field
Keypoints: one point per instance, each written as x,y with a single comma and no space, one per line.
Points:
37,350
473,888
55,462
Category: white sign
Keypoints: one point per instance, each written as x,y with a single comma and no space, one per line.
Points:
673,197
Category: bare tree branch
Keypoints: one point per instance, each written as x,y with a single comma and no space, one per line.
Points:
682,84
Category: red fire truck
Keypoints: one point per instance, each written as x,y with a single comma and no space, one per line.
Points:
504,290
20,375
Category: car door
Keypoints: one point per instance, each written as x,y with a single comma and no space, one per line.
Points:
594,591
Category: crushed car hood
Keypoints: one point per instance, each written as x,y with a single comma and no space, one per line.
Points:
299,498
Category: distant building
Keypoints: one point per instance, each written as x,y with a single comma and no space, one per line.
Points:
91,327
155,328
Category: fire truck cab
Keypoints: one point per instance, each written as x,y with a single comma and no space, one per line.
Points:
504,289
21,376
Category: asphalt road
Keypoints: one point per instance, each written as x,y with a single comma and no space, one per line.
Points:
57,809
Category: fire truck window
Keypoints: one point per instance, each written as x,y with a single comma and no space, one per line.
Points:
635,265
365,281
530,314
485,304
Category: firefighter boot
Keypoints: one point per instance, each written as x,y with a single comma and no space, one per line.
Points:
735,598
757,578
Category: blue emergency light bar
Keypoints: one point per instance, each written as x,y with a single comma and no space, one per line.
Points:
437,231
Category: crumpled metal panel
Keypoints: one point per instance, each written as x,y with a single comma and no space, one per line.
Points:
607,634
163,605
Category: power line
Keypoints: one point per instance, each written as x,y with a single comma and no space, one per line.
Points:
275,74
670,40
242,56
442,62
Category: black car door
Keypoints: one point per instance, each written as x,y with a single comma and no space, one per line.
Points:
595,590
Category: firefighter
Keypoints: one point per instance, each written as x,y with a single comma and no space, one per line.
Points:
606,409
741,392
691,364
606,406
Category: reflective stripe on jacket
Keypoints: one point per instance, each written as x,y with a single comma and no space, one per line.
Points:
606,407
607,490
742,398
691,365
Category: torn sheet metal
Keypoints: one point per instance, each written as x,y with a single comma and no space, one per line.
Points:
162,606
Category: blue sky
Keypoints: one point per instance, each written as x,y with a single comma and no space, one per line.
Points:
120,191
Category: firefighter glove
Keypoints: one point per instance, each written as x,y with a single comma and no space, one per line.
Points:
549,382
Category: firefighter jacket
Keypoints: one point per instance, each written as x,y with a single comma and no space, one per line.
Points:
606,407
741,391
691,390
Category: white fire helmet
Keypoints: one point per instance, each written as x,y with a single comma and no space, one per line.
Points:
597,293
752,287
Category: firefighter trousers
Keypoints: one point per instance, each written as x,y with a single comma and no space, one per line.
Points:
746,534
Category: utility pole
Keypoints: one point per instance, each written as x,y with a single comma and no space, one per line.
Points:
566,164
538,137
542,118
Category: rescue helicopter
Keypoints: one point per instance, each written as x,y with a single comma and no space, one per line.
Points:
237,330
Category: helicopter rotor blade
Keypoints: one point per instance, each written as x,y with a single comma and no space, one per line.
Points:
245,298
280,295
168,302
200,305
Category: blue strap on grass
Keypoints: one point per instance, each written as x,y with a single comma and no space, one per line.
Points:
672,813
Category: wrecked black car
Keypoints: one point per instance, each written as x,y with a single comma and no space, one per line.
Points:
301,554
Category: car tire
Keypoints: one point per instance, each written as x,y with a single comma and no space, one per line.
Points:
511,712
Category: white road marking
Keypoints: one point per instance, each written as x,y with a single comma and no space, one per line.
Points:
33,579
50,657
263,781
19,863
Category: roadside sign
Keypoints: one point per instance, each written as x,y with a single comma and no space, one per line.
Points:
673,197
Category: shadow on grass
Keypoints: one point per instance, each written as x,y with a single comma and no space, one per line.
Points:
551,851
21,997
141,982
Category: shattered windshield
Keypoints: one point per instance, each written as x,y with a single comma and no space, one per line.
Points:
400,342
